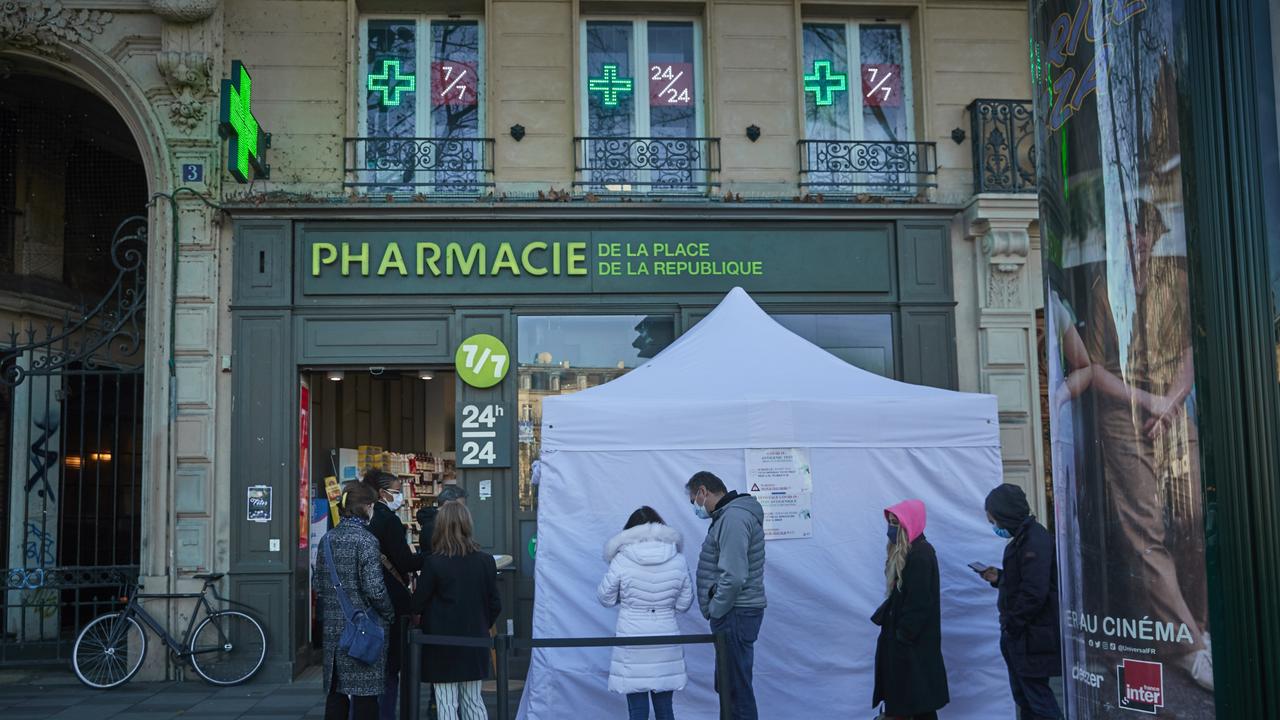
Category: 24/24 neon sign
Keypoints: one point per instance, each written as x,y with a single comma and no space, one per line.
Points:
671,84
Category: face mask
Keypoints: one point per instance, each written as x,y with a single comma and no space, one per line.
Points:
396,501
893,533
700,511
1001,532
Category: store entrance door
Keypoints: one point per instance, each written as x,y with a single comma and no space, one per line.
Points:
398,419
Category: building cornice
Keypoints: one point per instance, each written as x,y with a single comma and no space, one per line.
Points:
588,212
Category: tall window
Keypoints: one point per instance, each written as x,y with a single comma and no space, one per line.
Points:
857,82
857,87
423,86
642,79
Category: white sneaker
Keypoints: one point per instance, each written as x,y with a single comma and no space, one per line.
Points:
1199,665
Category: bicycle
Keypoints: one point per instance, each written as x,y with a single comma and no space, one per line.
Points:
226,649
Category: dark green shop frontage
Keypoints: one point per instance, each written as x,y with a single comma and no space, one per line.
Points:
346,339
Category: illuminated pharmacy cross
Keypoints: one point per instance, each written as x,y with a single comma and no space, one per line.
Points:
391,83
610,85
824,84
246,142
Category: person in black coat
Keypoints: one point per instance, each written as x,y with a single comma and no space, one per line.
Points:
457,594
426,516
399,562
911,677
1028,602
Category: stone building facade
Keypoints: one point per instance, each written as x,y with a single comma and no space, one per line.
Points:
942,155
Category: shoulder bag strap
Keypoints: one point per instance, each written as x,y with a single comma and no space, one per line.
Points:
343,599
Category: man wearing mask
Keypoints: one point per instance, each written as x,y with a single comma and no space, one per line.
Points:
1028,602
399,562
731,579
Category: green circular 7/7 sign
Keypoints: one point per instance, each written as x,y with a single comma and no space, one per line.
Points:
482,361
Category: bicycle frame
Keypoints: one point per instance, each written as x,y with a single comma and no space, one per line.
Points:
180,648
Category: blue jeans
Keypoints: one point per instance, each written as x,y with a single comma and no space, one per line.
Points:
741,628
638,706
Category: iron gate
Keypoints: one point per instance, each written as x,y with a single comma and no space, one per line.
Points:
71,409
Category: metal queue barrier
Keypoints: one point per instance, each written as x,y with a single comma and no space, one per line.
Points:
503,645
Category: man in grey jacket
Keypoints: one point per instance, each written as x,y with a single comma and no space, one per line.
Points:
731,579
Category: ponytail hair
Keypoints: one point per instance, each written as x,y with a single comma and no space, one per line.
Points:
357,498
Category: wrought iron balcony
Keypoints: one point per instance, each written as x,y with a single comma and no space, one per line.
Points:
679,166
1004,146
409,166
867,167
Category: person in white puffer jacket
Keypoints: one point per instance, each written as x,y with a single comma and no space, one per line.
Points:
649,578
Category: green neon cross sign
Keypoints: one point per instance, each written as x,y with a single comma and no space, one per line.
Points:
246,142
610,85
391,83
824,84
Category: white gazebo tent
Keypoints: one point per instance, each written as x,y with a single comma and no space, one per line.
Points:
735,381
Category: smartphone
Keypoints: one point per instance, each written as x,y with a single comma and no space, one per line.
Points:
978,567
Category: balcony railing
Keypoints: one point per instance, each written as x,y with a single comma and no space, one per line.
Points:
867,167
677,166
1004,146
410,166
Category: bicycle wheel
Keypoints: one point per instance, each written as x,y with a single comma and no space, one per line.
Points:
228,647
109,651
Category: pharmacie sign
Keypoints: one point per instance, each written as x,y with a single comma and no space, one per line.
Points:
347,260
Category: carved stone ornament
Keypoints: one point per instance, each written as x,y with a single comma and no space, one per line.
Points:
187,74
183,11
44,26
1003,290
1006,249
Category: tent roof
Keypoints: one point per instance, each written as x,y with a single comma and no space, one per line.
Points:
740,379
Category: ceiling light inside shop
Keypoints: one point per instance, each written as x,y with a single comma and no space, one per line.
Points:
73,462
426,375
335,375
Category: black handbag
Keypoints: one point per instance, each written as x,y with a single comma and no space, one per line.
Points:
363,639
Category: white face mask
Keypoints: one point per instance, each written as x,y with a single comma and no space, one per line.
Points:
396,501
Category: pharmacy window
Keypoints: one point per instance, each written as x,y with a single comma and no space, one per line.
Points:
422,104
858,111
857,81
642,105
642,78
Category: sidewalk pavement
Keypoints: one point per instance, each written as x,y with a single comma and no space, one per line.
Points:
56,694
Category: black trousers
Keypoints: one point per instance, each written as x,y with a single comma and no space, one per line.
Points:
342,707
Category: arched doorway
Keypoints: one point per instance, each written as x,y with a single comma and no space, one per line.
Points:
73,250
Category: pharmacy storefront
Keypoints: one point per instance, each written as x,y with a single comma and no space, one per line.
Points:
425,346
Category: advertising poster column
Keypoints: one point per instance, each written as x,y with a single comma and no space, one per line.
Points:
1127,487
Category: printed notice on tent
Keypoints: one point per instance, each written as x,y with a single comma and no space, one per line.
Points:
780,479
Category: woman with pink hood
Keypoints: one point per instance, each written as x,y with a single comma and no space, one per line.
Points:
911,679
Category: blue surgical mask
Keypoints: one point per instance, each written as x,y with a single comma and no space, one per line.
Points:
700,511
893,533
396,502
1001,532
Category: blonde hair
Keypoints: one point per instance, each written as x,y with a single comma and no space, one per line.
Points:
452,536
895,561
